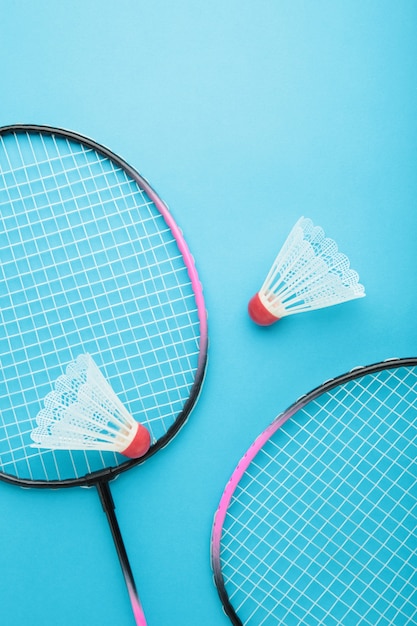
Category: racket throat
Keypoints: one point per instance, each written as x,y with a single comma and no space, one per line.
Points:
108,505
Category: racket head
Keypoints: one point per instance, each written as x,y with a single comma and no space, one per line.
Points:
317,524
91,261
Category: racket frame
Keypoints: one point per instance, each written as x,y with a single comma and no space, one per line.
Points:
106,474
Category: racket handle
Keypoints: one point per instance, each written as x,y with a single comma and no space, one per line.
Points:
107,502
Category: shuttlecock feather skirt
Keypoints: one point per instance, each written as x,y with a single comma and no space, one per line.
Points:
83,412
308,273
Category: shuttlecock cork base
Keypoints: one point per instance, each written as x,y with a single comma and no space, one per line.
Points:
84,413
140,444
259,313
308,273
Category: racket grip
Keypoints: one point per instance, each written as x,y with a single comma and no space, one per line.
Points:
108,505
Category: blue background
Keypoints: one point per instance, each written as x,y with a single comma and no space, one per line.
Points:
244,116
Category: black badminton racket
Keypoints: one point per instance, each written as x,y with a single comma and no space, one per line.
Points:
318,523
92,262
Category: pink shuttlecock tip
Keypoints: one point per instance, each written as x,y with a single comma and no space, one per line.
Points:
259,313
140,443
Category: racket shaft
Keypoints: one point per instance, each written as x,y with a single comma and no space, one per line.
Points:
108,507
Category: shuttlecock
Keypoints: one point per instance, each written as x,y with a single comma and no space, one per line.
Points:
308,273
84,413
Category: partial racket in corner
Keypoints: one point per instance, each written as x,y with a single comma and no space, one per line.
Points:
318,523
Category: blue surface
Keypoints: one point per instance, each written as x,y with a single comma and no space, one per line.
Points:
243,116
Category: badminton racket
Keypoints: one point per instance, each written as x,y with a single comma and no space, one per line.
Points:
317,524
92,262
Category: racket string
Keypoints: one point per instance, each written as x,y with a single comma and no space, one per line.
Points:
89,265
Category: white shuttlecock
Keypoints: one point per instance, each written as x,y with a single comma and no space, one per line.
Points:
84,413
308,273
